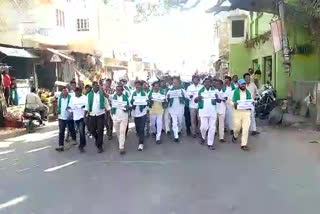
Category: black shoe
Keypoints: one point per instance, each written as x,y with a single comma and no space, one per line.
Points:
154,135
100,150
253,133
176,140
231,132
234,140
81,150
203,141
158,142
222,140
60,149
211,147
245,148
122,152
179,133
194,136
168,133
110,137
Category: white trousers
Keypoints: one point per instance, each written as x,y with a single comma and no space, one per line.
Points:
177,120
156,124
121,126
228,118
221,118
208,124
166,120
253,125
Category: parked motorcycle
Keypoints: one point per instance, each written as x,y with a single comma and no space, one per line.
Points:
265,101
31,120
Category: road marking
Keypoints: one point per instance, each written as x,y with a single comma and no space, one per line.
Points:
59,167
39,149
7,151
3,159
13,202
147,162
22,170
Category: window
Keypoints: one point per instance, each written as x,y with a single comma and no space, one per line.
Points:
237,28
60,18
83,25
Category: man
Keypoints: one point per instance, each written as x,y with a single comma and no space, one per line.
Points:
252,88
251,73
156,111
229,108
241,117
97,106
146,89
187,116
221,107
77,105
65,119
73,86
192,92
127,88
108,93
207,112
176,99
33,102
120,116
234,82
6,86
166,114
139,111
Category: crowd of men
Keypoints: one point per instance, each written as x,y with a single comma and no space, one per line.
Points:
166,106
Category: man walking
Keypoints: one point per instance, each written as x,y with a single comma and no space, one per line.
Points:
120,116
77,105
208,114
176,99
108,93
252,88
65,119
229,108
166,114
221,108
241,117
192,92
97,107
139,112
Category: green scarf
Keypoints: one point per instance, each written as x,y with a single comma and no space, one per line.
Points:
233,87
224,88
201,102
181,99
127,88
147,91
90,100
236,95
59,105
142,94
124,98
151,101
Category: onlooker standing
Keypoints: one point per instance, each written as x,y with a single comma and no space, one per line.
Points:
65,119
120,117
139,112
77,105
193,91
97,107
6,85
13,92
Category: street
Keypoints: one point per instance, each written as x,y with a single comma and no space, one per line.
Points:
279,175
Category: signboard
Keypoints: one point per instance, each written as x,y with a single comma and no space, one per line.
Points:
140,101
175,93
245,104
55,58
157,97
209,95
119,104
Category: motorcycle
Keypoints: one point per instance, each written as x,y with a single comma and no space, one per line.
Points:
265,101
31,120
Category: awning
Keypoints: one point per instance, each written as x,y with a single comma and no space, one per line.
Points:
16,52
60,54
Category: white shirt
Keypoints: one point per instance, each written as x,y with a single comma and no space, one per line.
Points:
120,113
76,104
96,111
193,88
33,101
64,113
136,112
221,107
253,89
176,108
208,110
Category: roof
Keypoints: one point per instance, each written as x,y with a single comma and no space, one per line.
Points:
16,52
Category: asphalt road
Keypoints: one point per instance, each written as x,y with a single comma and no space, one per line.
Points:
280,175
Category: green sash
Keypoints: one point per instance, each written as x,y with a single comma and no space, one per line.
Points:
233,87
142,94
236,95
201,102
124,98
59,105
90,100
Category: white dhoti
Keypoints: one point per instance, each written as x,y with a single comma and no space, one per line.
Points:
208,125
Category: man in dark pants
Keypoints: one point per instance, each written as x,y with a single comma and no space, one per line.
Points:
77,105
108,93
187,116
97,106
65,119
139,111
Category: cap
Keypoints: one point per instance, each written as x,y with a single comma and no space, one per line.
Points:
241,81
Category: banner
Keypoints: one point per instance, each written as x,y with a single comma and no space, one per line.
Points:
157,97
276,33
245,104
140,101
209,95
119,104
175,93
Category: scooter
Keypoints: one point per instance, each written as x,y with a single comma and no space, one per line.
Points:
31,120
